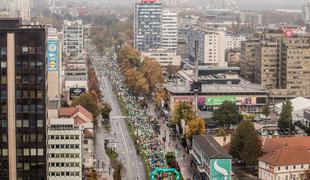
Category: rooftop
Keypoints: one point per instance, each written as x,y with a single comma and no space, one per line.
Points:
211,147
297,103
72,111
243,87
286,150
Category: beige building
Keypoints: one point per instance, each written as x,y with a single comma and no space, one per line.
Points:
278,62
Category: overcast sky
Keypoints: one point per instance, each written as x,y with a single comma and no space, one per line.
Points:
270,4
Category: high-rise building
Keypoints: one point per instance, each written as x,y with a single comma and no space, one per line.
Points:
65,147
211,46
306,13
24,9
147,25
169,30
23,107
280,62
73,37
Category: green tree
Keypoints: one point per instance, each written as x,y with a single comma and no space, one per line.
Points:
286,120
182,111
227,114
266,111
88,101
245,143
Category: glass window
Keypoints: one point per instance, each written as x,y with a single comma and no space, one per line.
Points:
26,137
25,123
33,152
3,64
26,166
40,152
3,79
26,152
3,51
4,138
39,123
25,49
39,94
19,152
4,152
32,137
25,109
18,122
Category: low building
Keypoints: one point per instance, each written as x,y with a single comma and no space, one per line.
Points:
299,105
306,119
284,158
164,58
210,160
83,118
64,151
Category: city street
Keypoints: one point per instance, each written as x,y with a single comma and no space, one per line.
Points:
119,136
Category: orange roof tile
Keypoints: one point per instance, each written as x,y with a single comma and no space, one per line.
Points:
88,134
71,111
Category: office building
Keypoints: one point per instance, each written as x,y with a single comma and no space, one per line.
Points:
65,150
251,19
147,25
211,46
73,37
23,96
169,30
306,13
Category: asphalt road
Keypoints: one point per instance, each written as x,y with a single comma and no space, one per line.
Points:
120,137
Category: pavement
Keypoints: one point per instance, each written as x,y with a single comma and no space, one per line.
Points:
119,135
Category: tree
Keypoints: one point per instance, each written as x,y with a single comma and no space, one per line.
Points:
88,102
105,110
196,126
119,169
245,143
152,72
127,52
227,114
266,111
136,82
160,95
182,111
286,120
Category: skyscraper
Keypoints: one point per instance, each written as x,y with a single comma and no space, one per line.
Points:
73,37
169,30
22,110
147,25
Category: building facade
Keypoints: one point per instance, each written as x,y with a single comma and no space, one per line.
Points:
306,13
147,25
73,37
23,106
211,46
169,30
164,58
65,147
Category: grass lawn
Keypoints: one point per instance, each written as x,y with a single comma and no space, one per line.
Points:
111,153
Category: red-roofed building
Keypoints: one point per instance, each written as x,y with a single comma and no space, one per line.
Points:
284,158
74,111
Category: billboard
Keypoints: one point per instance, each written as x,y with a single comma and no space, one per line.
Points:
52,55
216,101
76,92
220,169
246,101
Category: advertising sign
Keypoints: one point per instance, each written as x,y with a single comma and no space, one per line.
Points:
246,101
220,169
216,101
52,55
76,92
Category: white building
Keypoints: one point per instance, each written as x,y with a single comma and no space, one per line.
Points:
299,105
306,13
164,58
65,143
73,37
233,41
169,39
212,45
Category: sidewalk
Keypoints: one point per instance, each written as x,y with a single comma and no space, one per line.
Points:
185,165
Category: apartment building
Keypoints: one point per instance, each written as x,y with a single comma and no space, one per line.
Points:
73,37
23,100
164,58
65,150
169,30
147,25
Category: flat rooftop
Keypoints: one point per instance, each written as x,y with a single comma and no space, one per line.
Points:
217,88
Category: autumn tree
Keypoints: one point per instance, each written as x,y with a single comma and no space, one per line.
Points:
227,114
88,102
127,52
160,95
196,126
245,143
305,175
136,82
286,120
183,111
152,72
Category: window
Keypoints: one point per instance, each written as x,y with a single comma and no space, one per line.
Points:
39,123
294,167
286,167
4,138
4,152
18,122
33,138
40,152
33,152
26,166
3,79
25,123
302,166
26,152
3,64
279,168
25,49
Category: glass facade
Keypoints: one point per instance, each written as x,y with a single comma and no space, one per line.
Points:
30,109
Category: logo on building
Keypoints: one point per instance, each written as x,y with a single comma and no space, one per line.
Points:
76,92
220,169
52,55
